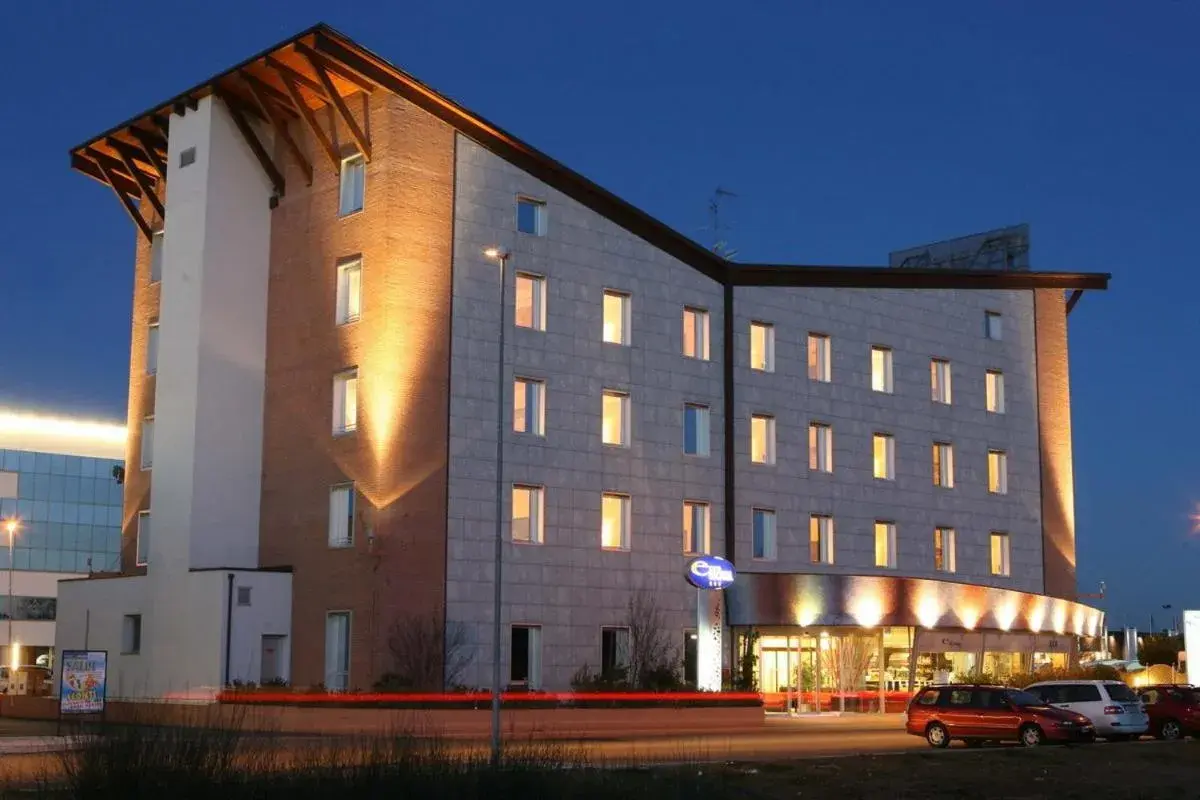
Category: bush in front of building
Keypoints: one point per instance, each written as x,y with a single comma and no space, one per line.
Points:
1019,680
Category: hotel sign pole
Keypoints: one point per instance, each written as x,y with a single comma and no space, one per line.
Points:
710,575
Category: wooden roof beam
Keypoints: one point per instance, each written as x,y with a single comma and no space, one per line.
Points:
270,111
318,65
148,142
115,183
236,111
342,71
310,119
127,153
285,72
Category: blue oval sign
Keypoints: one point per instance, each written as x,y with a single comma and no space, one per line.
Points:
709,572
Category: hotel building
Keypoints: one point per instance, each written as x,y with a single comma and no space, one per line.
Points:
883,452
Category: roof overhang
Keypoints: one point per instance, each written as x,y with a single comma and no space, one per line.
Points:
784,275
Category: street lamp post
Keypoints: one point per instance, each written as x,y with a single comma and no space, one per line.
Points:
10,525
501,255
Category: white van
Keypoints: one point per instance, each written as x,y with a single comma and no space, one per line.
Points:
1113,707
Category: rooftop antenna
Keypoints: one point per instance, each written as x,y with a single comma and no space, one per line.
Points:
720,245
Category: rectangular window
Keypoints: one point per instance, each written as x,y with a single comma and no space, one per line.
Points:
762,346
614,428
525,656
820,539
529,406
531,302
156,254
884,447
617,312
695,333
152,348
943,550
997,472
695,527
1001,565
885,545
614,525
131,635
993,325
881,369
345,401
614,651
243,595
143,538
531,216
943,465
695,430
349,292
939,381
764,534
762,439
9,484
527,506
337,651
352,182
820,367
147,443
995,391
820,447
341,515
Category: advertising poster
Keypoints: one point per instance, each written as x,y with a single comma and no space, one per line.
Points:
84,675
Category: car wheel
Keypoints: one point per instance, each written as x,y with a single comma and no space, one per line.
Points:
1031,736
1170,730
937,735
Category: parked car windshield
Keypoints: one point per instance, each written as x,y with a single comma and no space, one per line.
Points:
1025,699
1121,693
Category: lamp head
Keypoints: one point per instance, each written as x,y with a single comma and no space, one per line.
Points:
10,526
495,253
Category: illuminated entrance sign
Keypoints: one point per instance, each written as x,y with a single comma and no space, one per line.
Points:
709,572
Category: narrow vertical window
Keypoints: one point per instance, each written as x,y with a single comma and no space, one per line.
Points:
529,406
156,256
762,346
528,503
885,545
995,391
352,183
525,656
764,534
819,366
337,651
695,333
1001,565
762,439
884,456
695,528
997,472
695,430
345,401
152,348
531,216
614,527
820,539
614,651
820,447
614,427
617,308
349,292
993,326
143,538
341,515
530,302
148,443
881,370
944,550
943,465
939,381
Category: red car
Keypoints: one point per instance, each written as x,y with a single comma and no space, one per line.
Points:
1174,710
978,714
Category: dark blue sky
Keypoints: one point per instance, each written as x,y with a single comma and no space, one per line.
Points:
848,129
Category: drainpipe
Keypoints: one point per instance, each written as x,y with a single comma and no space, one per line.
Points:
228,628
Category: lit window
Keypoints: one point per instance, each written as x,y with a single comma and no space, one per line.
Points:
1001,564
525,662
762,346
531,302
943,465
762,439
884,446
529,406
614,428
885,545
352,182
349,292
993,325
820,447
695,430
819,366
527,506
943,550
995,391
614,525
764,534
695,333
345,401
147,442
143,538
939,380
152,348
531,216
997,472
616,317
156,254
341,515
695,527
881,369
337,651
820,539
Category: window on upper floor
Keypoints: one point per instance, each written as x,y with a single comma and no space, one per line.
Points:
531,216
352,183
131,635
695,429
943,465
614,427
614,521
993,325
529,406
152,348
1001,563
345,401
147,445
820,367
997,472
349,292
995,391
762,439
143,538
884,456
939,381
695,333
881,369
762,346
820,539
617,310
764,544
695,528
885,544
944,556
156,254
530,302
341,515
820,447
528,503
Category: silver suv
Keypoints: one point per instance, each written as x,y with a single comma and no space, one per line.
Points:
1113,707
